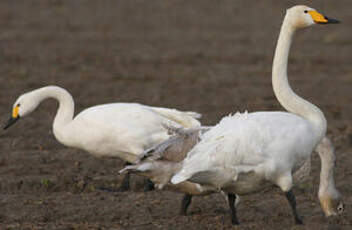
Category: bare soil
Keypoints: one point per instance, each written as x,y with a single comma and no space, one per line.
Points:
210,56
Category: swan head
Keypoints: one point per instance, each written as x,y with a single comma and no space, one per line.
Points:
23,106
303,16
332,204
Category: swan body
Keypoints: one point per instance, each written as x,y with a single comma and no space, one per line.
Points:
245,152
121,130
236,145
162,161
131,129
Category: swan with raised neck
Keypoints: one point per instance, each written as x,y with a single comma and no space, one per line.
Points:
245,152
283,92
328,195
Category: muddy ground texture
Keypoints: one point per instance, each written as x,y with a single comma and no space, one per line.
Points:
209,56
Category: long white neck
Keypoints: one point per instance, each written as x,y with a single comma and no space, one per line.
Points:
287,98
65,112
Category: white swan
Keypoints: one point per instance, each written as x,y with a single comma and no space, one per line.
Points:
121,130
245,152
162,161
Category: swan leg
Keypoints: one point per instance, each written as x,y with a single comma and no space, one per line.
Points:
148,185
186,201
292,200
232,201
125,184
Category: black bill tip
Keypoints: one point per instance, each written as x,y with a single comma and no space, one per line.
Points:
11,121
332,20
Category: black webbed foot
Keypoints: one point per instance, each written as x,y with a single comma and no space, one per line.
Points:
292,201
186,201
232,201
148,185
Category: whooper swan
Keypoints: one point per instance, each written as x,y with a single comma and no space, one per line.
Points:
245,152
121,130
162,161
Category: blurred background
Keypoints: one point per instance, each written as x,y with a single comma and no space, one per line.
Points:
209,56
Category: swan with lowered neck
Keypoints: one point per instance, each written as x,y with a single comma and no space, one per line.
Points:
121,130
246,152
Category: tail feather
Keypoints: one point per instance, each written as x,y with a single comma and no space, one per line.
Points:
185,119
172,130
195,115
182,131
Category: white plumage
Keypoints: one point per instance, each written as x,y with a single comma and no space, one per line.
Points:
244,143
245,152
121,130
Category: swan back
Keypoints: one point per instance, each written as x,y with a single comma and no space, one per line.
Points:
123,129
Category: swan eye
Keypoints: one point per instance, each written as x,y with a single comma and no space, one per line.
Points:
306,11
340,208
18,105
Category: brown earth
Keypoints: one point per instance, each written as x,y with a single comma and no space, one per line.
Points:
211,56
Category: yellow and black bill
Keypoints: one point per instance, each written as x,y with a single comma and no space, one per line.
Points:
15,117
11,121
321,19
